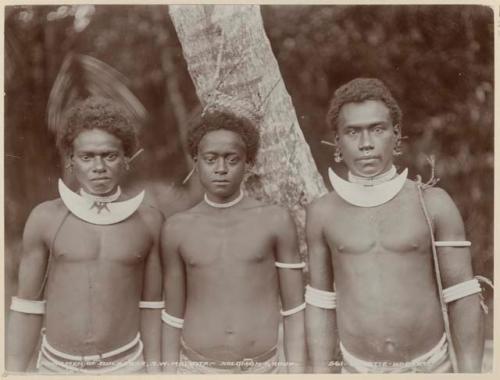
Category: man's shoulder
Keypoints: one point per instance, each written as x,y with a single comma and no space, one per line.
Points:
180,219
438,200
268,211
47,211
275,213
43,218
152,215
324,203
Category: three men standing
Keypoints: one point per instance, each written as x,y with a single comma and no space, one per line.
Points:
387,259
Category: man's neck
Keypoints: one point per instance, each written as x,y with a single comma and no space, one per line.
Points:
375,180
102,198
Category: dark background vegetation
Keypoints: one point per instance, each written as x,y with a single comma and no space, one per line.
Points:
437,60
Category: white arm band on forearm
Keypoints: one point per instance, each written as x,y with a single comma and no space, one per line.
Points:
461,290
320,298
286,313
453,243
290,265
151,304
171,320
27,306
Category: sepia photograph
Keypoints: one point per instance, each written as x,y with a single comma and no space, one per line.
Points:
248,188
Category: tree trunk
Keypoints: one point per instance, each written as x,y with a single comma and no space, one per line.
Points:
226,48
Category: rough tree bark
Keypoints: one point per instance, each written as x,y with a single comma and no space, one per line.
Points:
225,46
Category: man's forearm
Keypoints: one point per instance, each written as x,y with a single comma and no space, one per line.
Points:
22,335
151,336
322,339
466,321
295,343
170,348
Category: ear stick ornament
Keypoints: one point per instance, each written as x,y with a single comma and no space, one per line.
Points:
135,155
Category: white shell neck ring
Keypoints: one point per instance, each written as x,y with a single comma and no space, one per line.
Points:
226,204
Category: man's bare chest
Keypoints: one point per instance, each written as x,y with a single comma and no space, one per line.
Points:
398,227
227,242
77,241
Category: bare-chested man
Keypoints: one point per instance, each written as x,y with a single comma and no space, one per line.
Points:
371,237
90,271
228,261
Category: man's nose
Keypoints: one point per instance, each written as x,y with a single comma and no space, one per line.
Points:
365,141
220,166
99,164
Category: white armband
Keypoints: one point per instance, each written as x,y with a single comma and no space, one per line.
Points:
460,290
151,304
290,265
453,243
286,313
27,306
171,320
320,298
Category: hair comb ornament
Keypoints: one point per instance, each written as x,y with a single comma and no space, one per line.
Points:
81,76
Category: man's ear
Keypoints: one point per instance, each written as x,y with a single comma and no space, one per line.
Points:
397,130
68,161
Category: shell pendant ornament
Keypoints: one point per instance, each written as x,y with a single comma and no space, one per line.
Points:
95,212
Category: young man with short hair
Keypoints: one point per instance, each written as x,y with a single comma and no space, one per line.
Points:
228,262
373,285
90,269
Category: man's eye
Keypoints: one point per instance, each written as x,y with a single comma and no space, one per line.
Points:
85,158
234,160
352,132
210,159
378,129
111,156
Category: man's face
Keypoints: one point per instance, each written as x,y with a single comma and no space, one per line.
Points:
366,137
98,161
221,164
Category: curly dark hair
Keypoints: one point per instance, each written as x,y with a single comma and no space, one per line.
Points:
359,90
217,120
99,113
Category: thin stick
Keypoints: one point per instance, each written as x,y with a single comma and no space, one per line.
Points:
188,176
136,154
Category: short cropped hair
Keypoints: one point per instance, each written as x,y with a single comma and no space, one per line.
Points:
358,90
96,112
218,120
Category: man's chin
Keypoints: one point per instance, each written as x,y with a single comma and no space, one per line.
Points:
222,193
367,173
100,191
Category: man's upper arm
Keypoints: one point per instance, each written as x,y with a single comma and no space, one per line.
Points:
173,267
455,262
152,272
35,253
320,263
287,251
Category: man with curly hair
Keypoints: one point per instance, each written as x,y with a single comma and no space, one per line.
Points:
228,261
90,274
388,255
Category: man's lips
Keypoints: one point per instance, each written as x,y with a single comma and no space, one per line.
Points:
100,179
367,158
